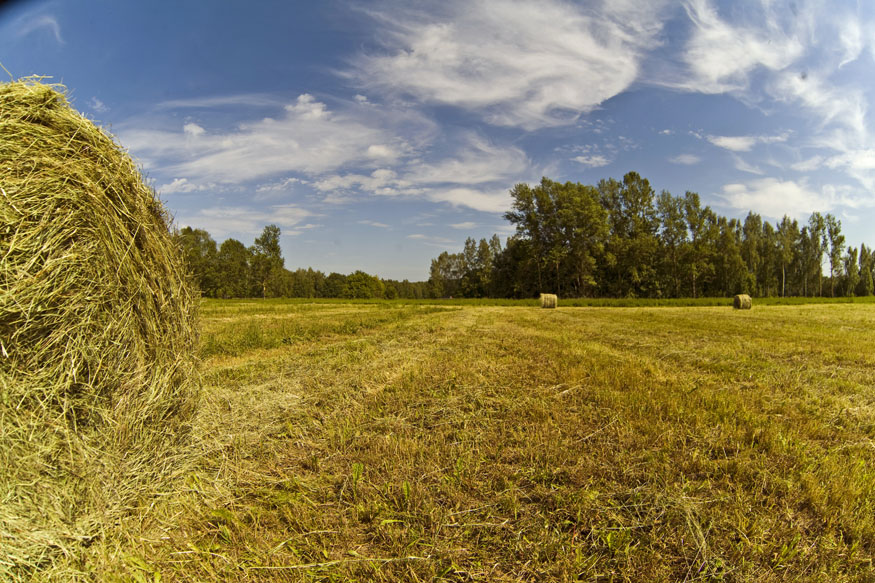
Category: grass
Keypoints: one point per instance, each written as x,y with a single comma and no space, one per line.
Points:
259,306
404,442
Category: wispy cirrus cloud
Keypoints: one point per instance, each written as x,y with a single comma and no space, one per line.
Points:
37,23
376,224
685,159
772,55
476,176
305,138
721,56
592,160
744,143
518,64
223,220
774,198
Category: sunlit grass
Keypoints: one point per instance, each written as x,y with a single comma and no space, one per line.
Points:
398,442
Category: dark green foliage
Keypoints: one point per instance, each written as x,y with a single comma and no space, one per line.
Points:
617,239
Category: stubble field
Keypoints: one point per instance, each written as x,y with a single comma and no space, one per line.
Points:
401,442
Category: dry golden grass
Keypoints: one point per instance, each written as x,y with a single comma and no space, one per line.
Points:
497,444
97,338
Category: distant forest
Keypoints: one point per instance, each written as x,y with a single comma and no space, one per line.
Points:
614,239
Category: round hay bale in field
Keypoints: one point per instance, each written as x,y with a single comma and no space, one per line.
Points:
97,334
549,300
742,302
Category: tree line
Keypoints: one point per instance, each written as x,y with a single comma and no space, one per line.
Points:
613,239
233,270
621,239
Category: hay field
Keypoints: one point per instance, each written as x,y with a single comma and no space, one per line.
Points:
388,442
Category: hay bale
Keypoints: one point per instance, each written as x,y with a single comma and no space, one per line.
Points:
97,335
549,300
742,302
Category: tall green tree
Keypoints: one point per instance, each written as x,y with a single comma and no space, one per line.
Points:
632,245
752,230
866,286
836,242
703,235
266,258
582,231
814,248
852,272
788,235
672,238
199,251
233,266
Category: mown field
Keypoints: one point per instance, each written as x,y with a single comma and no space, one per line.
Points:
415,442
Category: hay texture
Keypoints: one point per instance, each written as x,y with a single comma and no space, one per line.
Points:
97,314
742,302
549,300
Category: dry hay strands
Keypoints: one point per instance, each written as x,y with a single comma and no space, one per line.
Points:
742,302
97,336
549,300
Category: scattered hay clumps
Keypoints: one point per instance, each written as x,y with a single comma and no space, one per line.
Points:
97,336
549,300
742,302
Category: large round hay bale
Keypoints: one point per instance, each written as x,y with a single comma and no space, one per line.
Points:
549,300
97,314
742,302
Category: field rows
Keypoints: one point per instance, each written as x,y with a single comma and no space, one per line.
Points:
389,442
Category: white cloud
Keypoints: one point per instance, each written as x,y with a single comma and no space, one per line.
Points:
381,181
478,161
845,106
686,159
431,240
29,24
594,161
482,200
744,143
183,185
381,151
740,164
192,129
775,198
281,186
851,39
520,64
222,220
470,177
374,224
858,164
464,225
97,105
721,56
808,164
734,143
306,138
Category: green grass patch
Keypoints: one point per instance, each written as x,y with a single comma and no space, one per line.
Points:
489,443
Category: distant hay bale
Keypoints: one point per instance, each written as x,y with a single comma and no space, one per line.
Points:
549,300
742,302
97,333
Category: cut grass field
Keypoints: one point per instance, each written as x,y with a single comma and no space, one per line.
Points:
406,442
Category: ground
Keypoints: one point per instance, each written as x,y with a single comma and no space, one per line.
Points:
414,442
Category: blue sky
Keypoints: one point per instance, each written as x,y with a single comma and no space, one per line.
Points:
377,134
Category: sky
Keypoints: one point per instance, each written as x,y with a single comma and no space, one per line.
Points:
378,134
